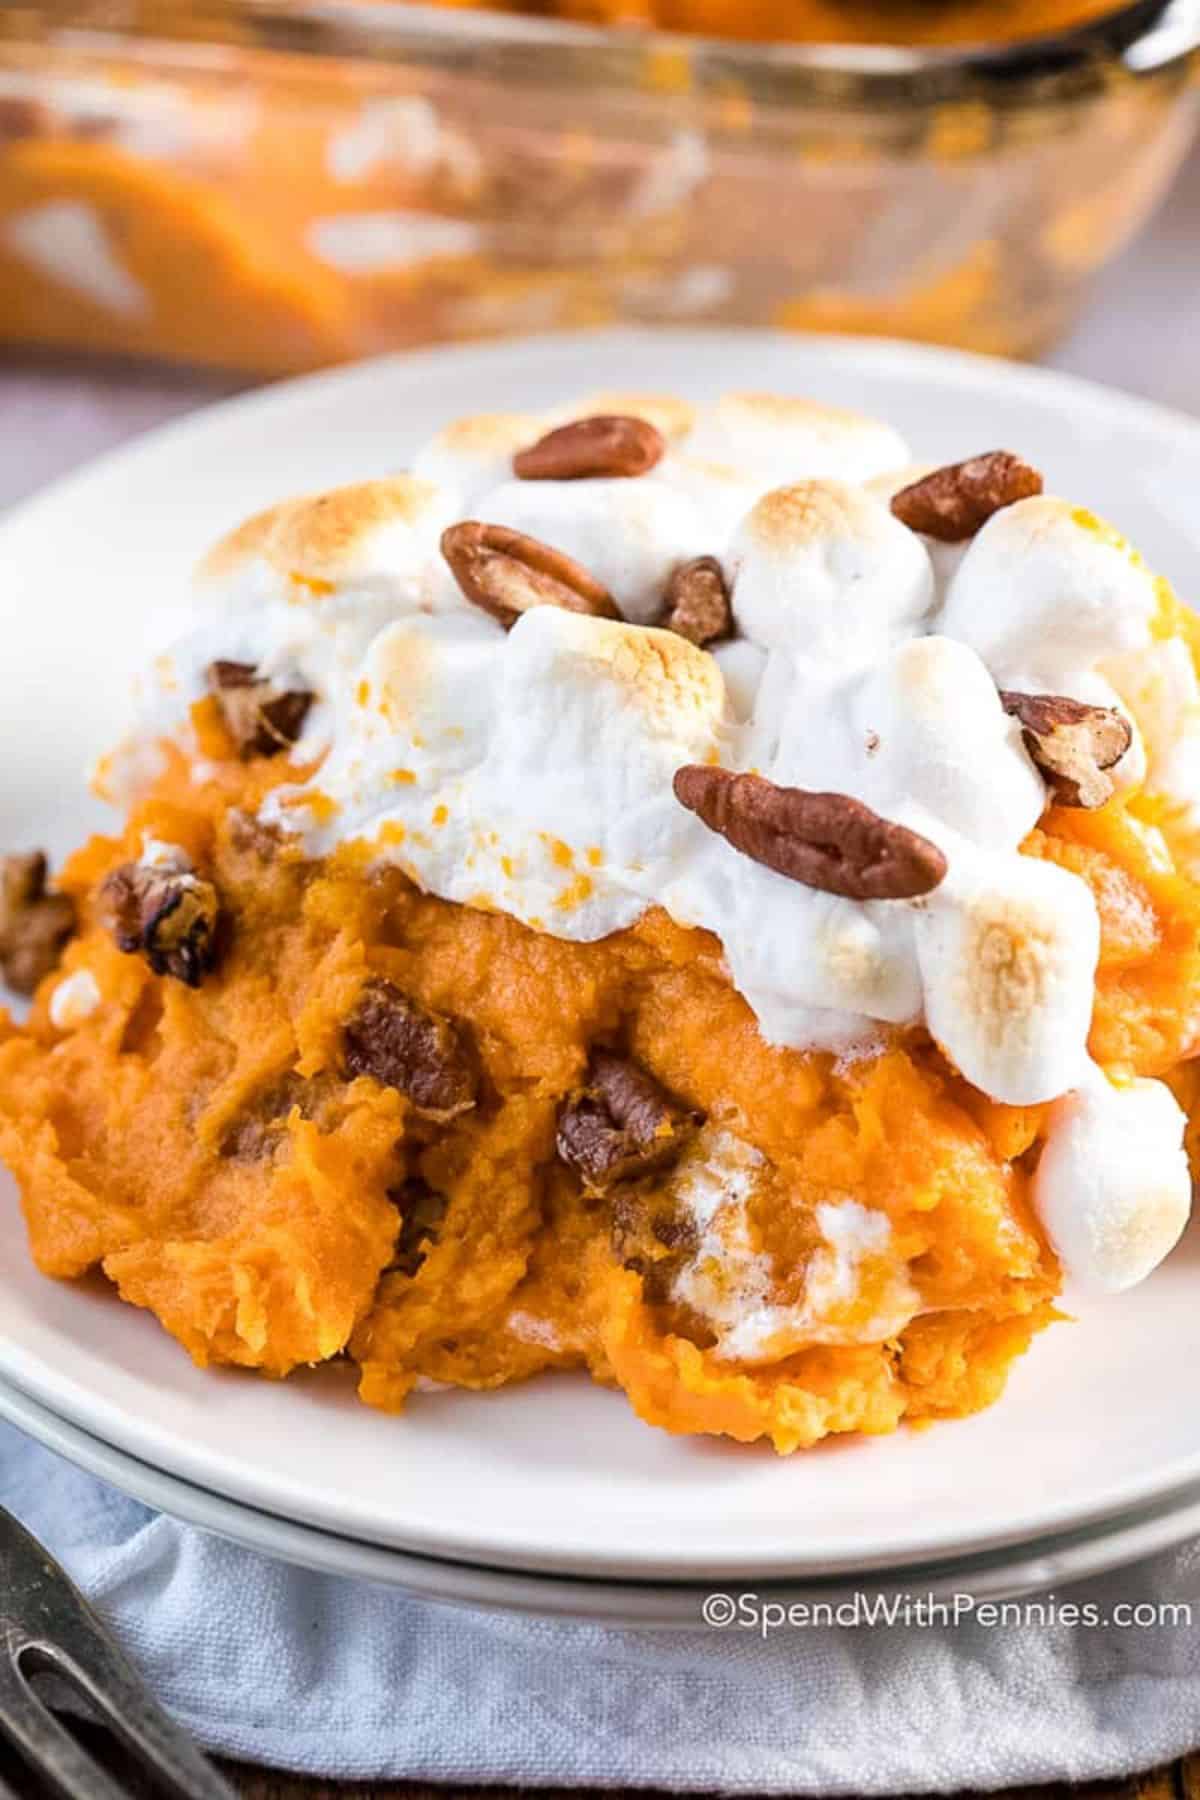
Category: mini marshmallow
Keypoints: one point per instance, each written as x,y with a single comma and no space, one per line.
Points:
427,694
793,948
373,537
74,1000
629,534
780,439
531,771
928,732
944,558
299,591
593,719
1008,948
824,569
721,495
1046,588
1112,1186
472,456
668,414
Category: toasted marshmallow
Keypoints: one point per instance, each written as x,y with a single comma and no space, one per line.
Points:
920,735
531,771
629,534
1112,1187
793,951
944,558
1008,950
780,439
375,537
424,709
668,414
593,719
472,456
1046,589
721,495
298,593
823,569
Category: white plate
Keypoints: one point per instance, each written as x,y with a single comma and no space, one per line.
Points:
558,1476
1045,1565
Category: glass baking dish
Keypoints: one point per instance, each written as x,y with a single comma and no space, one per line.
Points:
270,185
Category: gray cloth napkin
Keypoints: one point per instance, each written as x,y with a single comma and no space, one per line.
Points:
347,1679
342,1678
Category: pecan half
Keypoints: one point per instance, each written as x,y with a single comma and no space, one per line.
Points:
505,572
621,1124
609,444
391,1038
953,503
261,717
1072,744
697,605
167,913
827,841
421,1213
34,923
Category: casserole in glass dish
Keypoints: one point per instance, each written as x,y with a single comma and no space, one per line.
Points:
273,185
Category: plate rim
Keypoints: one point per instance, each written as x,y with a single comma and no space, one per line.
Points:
554,353
1040,1565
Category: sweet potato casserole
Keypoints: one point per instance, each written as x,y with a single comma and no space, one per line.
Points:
677,893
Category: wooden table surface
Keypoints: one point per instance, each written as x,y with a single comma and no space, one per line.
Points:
1177,1781
1180,1781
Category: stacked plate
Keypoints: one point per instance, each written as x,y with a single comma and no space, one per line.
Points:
552,1497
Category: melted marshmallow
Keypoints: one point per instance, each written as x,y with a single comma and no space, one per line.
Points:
730,1283
531,771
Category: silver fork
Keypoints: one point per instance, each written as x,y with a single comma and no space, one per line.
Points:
48,1628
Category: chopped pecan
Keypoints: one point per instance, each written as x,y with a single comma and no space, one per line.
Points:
650,1238
621,1124
953,503
609,444
258,1131
261,717
505,572
1073,745
827,841
697,602
421,1213
167,913
391,1038
34,923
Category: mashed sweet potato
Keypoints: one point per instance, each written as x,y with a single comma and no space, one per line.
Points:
211,1151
